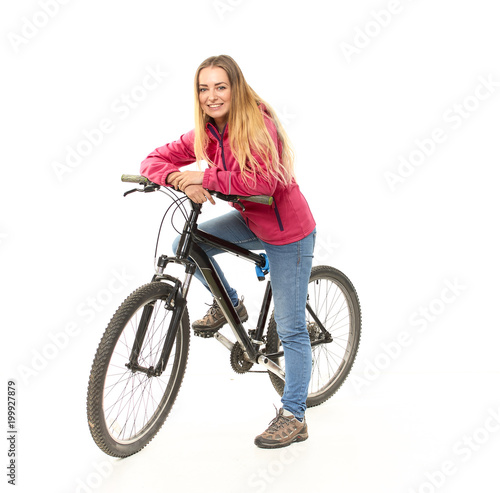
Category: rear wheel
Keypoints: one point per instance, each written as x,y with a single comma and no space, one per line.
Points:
127,404
333,299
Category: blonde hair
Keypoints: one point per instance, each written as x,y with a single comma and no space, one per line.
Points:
247,129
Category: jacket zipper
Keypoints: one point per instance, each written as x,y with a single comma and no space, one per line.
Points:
219,138
280,224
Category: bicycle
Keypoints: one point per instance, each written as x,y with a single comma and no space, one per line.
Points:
141,359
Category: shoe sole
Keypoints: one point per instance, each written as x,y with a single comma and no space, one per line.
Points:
206,333
298,438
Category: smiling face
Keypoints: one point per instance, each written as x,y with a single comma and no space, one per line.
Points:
214,93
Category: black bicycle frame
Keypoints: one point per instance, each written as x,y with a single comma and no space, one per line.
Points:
188,247
188,252
191,255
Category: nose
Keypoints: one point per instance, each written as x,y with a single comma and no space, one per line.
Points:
212,96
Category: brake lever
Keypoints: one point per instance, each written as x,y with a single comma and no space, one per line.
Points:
132,191
237,201
151,187
228,198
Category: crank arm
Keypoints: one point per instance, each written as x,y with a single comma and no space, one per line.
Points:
271,366
224,341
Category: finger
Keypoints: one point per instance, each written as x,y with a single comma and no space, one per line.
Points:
198,198
195,196
209,197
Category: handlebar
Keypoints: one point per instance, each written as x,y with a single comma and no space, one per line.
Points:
259,199
142,180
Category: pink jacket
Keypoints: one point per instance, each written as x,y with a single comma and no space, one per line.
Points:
289,219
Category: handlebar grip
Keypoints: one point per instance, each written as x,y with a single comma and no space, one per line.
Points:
260,199
142,180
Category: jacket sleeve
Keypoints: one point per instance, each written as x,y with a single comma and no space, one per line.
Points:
169,158
232,183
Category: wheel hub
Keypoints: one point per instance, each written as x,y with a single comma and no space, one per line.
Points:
314,331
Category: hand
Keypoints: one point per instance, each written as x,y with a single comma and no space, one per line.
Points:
198,194
182,180
173,176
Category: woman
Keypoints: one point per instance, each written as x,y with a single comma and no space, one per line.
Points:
248,153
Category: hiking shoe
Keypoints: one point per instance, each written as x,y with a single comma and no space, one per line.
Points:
215,319
282,431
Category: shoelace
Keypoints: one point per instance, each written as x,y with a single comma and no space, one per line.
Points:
277,422
213,307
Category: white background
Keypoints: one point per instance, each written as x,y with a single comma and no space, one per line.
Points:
406,412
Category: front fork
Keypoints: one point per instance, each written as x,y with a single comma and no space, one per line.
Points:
176,302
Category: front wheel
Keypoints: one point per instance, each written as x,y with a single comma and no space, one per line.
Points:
126,402
333,299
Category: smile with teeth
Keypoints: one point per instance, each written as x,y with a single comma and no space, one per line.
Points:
213,106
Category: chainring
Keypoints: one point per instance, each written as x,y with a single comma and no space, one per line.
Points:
237,358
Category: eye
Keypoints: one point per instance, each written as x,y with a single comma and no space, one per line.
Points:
222,87
202,89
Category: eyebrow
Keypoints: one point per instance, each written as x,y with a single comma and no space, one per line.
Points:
217,84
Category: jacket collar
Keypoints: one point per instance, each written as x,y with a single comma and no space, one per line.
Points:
213,131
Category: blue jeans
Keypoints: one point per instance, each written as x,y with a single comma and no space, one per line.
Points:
290,267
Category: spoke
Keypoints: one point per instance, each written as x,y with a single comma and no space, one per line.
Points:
110,387
335,315
136,405
119,401
335,341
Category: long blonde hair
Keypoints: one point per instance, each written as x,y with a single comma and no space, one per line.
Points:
247,129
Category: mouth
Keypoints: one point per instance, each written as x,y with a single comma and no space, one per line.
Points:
215,106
